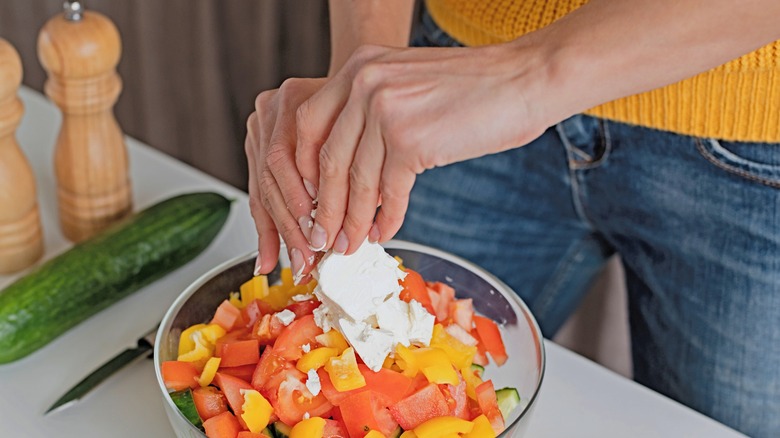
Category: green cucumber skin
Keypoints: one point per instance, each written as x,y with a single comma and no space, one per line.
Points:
183,401
100,271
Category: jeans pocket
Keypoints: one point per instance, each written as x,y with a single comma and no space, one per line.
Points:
758,162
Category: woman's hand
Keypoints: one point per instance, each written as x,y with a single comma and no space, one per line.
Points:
390,114
278,199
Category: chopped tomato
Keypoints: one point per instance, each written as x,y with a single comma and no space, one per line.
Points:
248,434
419,407
442,296
301,331
462,312
480,357
209,402
267,329
491,337
457,400
486,398
227,316
364,411
254,310
179,375
414,289
294,400
391,385
269,373
231,387
303,308
334,429
235,353
243,372
224,425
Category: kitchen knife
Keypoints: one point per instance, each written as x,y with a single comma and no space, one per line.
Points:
142,350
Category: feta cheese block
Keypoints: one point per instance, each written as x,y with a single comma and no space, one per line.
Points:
360,298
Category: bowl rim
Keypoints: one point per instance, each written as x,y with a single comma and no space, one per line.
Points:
391,244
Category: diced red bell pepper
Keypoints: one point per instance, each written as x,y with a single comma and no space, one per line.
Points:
490,335
486,398
231,387
419,407
301,331
364,411
179,375
209,402
414,288
227,316
224,425
303,308
235,353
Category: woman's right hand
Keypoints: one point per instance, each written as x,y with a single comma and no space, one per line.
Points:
278,199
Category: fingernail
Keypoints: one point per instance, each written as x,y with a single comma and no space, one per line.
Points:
306,222
310,189
374,235
341,244
319,238
258,264
296,259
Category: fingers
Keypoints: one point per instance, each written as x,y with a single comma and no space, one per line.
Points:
335,159
395,186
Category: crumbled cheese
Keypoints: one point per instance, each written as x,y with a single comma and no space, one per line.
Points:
371,344
286,316
306,348
313,382
302,297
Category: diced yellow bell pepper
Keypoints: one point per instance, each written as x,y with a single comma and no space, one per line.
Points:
441,374
460,354
235,299
400,263
374,434
287,277
212,332
344,372
200,354
482,428
440,427
315,359
209,371
186,343
472,381
254,289
430,356
388,363
257,410
406,360
309,428
332,339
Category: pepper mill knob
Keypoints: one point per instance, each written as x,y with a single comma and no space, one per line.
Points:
21,239
93,184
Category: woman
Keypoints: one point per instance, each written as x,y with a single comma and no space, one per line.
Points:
648,128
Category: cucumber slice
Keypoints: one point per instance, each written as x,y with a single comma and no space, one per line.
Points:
479,369
183,401
508,399
396,433
280,429
267,432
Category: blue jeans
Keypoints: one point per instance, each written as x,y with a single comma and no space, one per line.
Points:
696,222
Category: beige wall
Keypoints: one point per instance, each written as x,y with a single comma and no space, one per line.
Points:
191,69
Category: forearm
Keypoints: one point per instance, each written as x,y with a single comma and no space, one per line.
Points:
609,49
357,22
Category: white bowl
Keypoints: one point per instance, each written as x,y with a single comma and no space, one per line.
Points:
523,370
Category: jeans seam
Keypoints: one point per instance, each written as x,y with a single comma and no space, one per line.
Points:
732,169
573,179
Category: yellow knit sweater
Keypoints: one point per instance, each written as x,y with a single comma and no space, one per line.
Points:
739,100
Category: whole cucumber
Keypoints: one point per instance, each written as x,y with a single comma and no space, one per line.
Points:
100,271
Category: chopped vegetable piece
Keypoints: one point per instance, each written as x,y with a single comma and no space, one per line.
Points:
301,331
303,308
482,428
486,398
265,433
334,429
209,371
462,312
441,373
343,371
460,354
183,401
364,411
471,375
491,337
179,375
508,399
420,407
443,426
227,316
414,288
243,372
310,428
235,353
457,399
333,339
224,425
254,289
209,402
186,343
231,387
374,434
315,359
256,410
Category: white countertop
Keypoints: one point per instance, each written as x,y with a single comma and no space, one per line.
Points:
578,399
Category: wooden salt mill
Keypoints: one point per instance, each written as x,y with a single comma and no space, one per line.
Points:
80,51
21,239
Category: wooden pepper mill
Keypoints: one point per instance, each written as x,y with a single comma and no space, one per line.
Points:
80,51
21,239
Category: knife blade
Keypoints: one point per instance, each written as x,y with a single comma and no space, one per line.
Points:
143,349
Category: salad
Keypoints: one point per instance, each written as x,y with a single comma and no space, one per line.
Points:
262,367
